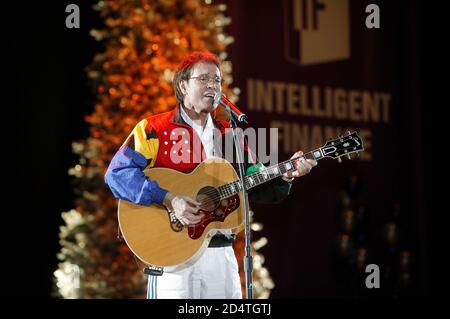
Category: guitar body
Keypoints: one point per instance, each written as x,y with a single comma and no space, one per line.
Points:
157,238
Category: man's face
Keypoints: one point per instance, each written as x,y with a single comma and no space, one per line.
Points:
205,79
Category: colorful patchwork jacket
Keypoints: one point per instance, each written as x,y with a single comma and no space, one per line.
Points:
150,144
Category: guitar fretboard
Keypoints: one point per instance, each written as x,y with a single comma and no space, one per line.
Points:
266,174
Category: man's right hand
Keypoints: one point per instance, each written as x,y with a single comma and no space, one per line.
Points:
184,208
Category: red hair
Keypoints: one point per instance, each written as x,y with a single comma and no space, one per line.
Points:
196,57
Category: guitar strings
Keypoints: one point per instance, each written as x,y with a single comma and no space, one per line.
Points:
216,194
219,195
258,175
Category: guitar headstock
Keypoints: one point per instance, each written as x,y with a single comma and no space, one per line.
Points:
344,145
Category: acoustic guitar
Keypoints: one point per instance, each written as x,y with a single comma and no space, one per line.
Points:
158,238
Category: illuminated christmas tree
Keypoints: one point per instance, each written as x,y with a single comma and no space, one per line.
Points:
144,41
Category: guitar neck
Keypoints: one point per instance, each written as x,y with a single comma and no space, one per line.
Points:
267,174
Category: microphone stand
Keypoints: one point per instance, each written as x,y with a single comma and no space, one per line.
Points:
248,259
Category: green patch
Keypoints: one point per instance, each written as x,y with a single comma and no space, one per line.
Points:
254,168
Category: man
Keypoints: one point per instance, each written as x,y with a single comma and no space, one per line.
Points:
215,274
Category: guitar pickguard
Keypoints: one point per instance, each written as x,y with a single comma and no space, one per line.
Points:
226,206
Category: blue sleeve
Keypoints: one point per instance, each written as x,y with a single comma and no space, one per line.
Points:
126,179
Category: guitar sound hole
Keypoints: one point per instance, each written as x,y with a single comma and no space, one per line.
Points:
209,198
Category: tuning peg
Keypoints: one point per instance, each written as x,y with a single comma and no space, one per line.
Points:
349,157
339,160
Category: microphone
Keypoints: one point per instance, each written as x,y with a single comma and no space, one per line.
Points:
235,112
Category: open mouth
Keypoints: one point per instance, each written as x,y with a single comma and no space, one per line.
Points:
210,95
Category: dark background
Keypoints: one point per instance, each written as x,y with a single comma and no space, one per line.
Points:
47,96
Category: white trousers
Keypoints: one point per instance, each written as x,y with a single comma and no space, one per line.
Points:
214,276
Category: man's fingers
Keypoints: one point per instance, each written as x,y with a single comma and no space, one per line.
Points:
192,202
191,210
189,218
312,162
193,219
183,221
304,168
297,154
307,165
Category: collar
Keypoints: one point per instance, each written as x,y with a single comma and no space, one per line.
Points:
177,119
176,116
188,120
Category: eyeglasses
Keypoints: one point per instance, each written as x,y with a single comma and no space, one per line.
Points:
205,79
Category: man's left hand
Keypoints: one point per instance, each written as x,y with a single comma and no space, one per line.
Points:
303,166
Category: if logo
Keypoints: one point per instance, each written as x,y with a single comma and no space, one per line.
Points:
316,31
